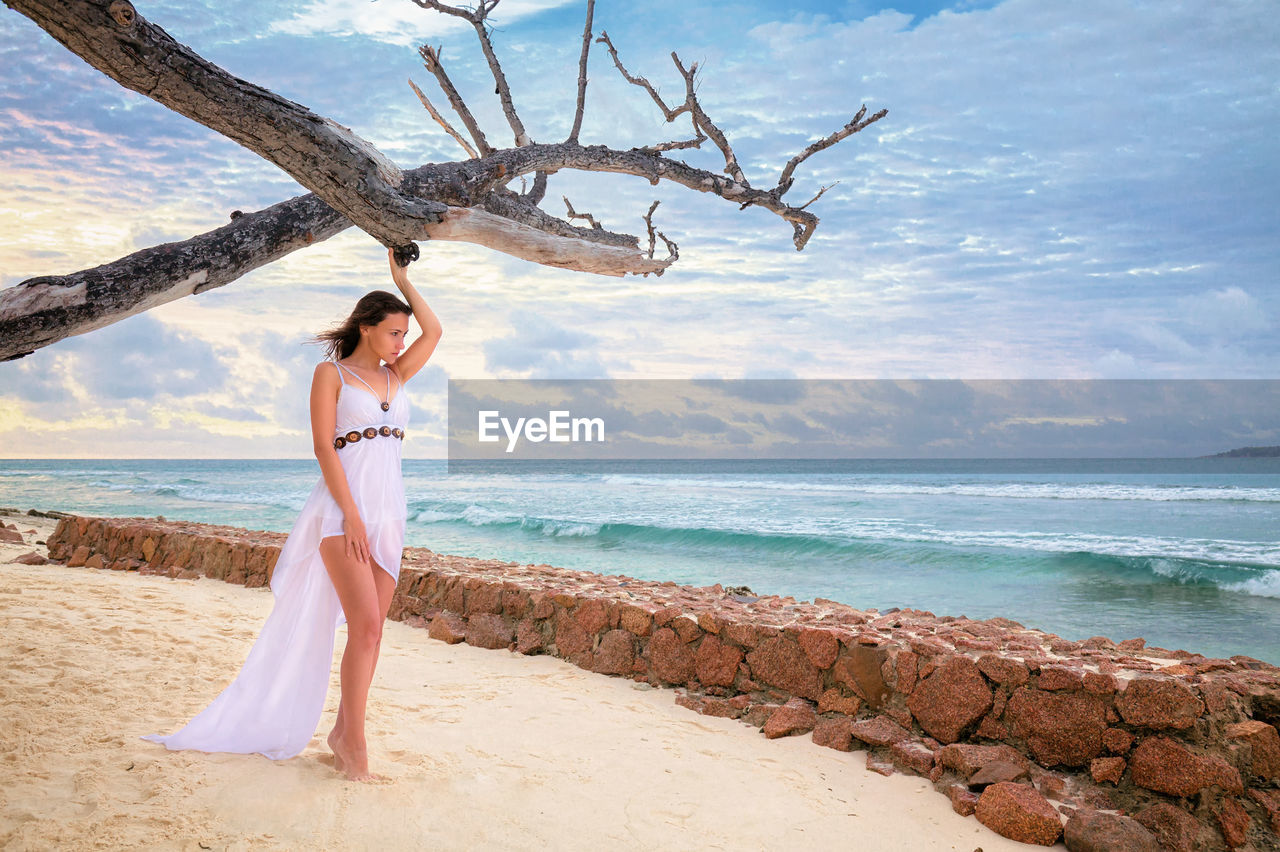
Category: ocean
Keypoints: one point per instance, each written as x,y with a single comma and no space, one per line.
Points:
1182,552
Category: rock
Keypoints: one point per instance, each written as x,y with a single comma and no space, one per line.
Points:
1107,769
1018,812
31,558
1263,743
1163,765
835,700
912,755
591,616
834,733
1117,740
635,620
906,670
1233,819
79,557
1270,801
879,731
1159,703
488,630
96,561
1100,683
1174,828
1056,678
1003,670
11,536
686,628
616,654
448,627
528,637
879,765
997,771
963,800
780,662
951,699
720,708
673,661
968,759
571,638
1059,727
794,717
1093,831
716,662
859,668
820,646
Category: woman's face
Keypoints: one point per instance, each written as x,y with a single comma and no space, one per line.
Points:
387,337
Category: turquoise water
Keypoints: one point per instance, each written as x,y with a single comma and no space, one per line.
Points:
1185,553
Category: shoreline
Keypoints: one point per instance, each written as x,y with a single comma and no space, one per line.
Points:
893,684
486,751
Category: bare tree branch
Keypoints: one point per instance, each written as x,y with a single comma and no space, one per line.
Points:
668,112
856,124
695,142
821,192
703,123
477,17
44,310
448,128
582,72
673,252
539,190
573,214
468,224
431,59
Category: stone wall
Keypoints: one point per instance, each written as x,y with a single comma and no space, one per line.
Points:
1133,747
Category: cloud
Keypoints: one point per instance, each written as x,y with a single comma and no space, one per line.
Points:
395,23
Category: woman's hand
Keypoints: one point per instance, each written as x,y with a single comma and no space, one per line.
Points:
399,274
357,539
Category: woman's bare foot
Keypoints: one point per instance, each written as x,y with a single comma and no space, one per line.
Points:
334,740
353,761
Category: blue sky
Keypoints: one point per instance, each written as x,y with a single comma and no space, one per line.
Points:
1083,190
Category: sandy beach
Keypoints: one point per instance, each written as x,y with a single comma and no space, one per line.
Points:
482,749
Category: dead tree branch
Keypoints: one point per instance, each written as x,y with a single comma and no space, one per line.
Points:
668,112
431,59
448,128
582,72
476,17
856,124
573,214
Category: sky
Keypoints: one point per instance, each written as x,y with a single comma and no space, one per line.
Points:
1060,191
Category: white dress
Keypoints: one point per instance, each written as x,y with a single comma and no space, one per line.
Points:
274,704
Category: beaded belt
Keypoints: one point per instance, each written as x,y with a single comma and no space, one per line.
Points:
371,432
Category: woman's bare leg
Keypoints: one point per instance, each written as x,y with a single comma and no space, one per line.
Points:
357,590
386,587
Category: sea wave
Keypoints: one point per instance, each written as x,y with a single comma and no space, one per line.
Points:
1241,566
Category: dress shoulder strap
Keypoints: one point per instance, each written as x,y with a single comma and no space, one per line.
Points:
341,378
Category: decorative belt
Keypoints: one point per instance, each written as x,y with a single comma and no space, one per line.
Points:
371,432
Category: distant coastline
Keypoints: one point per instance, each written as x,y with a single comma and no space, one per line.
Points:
1248,453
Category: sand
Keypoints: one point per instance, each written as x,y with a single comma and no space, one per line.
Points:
482,749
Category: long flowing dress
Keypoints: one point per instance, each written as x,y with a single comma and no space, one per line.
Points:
274,704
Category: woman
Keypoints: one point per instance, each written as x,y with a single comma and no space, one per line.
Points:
342,558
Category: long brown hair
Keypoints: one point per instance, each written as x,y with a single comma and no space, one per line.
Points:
341,340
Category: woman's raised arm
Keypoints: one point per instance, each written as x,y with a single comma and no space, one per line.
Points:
413,358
